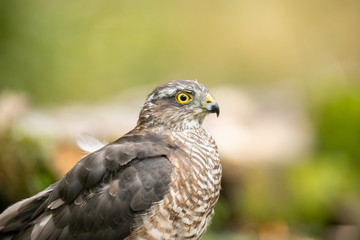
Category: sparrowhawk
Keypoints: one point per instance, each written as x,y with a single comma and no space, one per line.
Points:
161,180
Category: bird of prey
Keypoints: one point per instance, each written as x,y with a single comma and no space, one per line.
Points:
161,180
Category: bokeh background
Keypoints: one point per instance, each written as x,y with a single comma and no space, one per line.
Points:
285,73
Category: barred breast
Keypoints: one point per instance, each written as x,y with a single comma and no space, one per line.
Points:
186,210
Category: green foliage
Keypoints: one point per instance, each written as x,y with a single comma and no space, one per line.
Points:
336,119
318,187
23,169
223,215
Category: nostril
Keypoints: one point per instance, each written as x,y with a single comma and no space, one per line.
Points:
209,99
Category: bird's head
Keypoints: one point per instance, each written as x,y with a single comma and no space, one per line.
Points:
177,105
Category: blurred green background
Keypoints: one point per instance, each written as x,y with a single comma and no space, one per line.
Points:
56,53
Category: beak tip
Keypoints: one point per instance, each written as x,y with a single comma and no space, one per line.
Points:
213,108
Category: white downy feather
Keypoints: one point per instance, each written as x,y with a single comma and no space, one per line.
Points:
88,143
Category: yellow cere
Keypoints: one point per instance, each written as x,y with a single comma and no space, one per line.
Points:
209,99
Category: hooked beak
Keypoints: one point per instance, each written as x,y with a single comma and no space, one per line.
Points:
211,105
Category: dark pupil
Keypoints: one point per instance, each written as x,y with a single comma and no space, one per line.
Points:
183,97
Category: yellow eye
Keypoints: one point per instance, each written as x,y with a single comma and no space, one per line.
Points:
183,97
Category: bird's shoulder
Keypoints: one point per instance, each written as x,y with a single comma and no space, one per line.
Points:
106,164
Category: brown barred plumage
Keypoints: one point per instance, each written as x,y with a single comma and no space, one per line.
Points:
159,181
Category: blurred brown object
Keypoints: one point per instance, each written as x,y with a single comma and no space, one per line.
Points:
65,156
341,232
274,231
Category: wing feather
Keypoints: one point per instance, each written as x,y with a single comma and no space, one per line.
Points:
100,196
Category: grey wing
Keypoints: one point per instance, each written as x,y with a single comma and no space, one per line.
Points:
13,218
100,196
